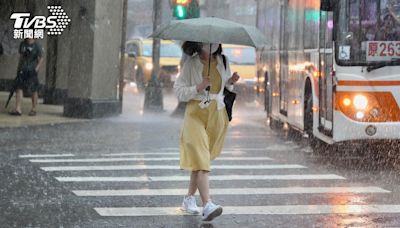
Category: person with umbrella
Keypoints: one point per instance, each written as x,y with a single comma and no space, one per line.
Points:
29,63
201,83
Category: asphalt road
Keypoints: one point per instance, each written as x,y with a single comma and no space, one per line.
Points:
124,172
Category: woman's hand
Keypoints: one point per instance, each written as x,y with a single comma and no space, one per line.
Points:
204,84
235,77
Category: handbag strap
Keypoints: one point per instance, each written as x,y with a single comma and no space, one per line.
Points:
224,60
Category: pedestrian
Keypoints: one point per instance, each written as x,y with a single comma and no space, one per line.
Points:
205,120
29,64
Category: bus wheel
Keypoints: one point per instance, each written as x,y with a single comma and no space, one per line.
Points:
274,124
308,112
314,142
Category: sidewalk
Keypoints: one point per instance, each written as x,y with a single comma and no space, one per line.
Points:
46,114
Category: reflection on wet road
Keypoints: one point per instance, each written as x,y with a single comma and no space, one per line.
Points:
125,172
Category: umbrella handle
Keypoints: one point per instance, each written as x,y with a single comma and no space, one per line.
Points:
209,65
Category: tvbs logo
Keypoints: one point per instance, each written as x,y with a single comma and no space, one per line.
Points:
27,27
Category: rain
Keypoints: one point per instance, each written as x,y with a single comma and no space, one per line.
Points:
199,113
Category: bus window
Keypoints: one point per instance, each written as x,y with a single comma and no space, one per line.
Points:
311,24
368,31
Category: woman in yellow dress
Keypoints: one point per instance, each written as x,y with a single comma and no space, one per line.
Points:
201,84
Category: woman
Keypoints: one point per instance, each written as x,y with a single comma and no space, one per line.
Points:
205,122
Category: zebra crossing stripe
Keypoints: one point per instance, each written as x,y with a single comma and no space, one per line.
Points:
45,155
143,159
257,210
164,153
232,191
163,167
225,149
212,178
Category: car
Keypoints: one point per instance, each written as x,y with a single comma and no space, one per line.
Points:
242,59
139,64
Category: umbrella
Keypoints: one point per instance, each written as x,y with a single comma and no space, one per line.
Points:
211,30
13,88
9,97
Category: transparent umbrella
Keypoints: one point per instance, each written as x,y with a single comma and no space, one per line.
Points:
211,30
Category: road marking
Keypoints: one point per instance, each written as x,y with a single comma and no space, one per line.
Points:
212,178
45,155
163,167
257,210
225,149
143,159
232,191
165,153
249,136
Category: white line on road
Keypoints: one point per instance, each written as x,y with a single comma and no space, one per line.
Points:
225,149
163,167
45,155
164,153
258,210
213,178
143,159
249,136
232,191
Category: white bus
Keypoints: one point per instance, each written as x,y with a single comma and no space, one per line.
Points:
333,68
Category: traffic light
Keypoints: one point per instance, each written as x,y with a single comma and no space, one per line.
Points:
184,9
181,9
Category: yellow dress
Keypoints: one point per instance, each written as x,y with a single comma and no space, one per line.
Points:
204,129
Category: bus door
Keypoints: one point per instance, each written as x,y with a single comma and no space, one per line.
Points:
325,82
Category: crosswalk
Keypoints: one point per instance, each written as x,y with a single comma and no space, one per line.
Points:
69,168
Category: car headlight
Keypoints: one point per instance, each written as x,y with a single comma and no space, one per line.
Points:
149,66
360,102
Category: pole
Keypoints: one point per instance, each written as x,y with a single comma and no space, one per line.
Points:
122,57
153,100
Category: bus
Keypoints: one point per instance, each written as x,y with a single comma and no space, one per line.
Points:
332,69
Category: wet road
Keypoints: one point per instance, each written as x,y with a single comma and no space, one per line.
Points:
124,172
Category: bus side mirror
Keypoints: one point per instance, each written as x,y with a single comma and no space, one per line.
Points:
327,5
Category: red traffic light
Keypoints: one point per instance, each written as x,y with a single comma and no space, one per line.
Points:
182,2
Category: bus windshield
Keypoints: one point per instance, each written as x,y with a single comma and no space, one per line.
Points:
368,32
240,55
166,50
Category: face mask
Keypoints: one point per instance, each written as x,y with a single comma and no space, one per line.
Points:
206,48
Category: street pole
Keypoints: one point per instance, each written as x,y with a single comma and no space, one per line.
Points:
153,100
122,55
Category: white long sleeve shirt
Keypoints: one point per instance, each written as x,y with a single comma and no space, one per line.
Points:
191,76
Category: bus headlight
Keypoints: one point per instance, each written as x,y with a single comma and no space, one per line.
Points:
149,66
346,102
360,115
360,102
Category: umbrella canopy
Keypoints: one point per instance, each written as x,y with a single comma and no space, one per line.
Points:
211,30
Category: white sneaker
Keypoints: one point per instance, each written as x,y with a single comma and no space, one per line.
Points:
211,211
189,205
